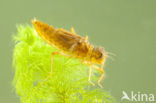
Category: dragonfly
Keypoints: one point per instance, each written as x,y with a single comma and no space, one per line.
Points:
72,45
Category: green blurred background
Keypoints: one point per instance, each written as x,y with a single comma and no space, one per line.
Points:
126,28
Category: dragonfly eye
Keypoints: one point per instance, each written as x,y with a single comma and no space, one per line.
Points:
101,55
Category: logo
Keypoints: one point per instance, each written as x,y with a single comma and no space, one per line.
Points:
137,96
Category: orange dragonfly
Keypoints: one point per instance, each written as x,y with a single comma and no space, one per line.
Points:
72,45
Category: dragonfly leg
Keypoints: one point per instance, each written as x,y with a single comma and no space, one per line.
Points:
90,74
51,71
86,38
72,30
102,75
48,77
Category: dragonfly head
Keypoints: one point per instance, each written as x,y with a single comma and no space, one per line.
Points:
98,55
